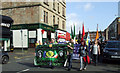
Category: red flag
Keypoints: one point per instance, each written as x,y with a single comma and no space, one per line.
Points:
87,58
67,36
83,33
42,31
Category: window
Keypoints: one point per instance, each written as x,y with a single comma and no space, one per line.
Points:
45,17
58,22
63,1
58,8
53,4
63,24
53,19
63,11
46,2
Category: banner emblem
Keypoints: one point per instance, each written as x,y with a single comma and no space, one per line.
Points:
50,54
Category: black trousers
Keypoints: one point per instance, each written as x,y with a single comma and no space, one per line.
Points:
95,57
70,56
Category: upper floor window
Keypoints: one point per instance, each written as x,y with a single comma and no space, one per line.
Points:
63,24
58,8
53,4
53,20
58,22
63,11
46,2
63,1
45,17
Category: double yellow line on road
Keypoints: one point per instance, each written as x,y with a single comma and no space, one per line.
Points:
21,57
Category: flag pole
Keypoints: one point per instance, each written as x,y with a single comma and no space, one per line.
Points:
74,33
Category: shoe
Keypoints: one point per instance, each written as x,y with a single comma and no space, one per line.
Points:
81,69
69,69
84,68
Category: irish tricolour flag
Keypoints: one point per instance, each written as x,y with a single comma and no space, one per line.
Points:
55,54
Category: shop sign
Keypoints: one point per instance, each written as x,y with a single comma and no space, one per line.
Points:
5,25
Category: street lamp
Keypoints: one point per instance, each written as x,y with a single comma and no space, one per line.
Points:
55,28
22,39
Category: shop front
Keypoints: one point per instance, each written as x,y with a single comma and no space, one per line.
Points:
30,34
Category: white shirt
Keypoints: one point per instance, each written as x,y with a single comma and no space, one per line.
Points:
95,49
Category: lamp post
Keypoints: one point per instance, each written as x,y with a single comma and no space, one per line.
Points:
22,39
55,28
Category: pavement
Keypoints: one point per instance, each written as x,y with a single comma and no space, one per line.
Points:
23,62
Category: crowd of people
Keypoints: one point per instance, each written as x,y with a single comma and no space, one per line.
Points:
93,52
85,53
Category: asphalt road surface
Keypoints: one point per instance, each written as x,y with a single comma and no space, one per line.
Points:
23,62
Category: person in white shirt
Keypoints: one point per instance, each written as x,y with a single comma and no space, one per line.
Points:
96,51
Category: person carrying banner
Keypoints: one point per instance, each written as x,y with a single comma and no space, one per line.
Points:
69,54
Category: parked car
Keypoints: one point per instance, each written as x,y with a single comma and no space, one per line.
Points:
111,51
4,57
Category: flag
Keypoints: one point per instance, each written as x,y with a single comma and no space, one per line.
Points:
83,33
71,32
101,37
55,54
44,54
79,36
74,32
88,39
88,43
42,31
97,34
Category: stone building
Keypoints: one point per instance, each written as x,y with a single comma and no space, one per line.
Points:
93,34
114,30
106,33
35,21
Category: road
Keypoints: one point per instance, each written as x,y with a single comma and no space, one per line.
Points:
23,62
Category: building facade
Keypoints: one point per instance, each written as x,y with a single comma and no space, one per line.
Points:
34,21
119,9
106,33
114,30
93,34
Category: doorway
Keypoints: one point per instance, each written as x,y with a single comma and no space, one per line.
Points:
49,35
32,42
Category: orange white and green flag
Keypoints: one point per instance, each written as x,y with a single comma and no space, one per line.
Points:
97,34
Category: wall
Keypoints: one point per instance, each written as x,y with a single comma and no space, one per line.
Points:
23,15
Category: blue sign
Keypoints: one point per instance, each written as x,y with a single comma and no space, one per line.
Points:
76,51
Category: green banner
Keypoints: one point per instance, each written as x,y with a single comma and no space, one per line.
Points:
54,55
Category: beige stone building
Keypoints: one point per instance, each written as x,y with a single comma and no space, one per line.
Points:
30,18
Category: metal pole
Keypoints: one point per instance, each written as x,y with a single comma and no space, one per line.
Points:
22,40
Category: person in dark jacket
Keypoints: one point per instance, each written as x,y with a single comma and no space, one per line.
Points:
83,53
69,54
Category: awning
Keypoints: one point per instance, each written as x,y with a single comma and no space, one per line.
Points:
6,19
4,39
